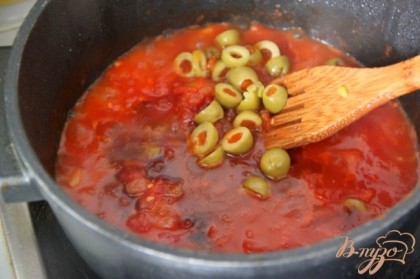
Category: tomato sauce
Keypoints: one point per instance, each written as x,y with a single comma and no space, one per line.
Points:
124,156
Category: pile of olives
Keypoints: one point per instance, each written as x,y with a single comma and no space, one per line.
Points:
237,87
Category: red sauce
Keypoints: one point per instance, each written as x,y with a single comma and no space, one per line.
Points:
124,157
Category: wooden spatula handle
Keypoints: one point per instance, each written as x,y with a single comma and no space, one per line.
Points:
411,72
379,85
325,99
404,77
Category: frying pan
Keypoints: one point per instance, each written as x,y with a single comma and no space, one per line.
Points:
63,46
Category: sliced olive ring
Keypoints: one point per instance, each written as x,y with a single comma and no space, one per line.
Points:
214,159
255,55
184,64
257,87
251,100
275,163
204,138
241,77
274,98
277,66
356,204
219,71
237,141
199,63
248,119
235,56
211,113
335,62
268,47
258,186
228,38
227,95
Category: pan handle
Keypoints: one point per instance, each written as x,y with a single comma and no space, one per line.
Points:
15,183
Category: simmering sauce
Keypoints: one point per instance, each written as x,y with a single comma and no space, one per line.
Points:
124,156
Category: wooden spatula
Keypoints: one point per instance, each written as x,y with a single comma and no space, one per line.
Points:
323,100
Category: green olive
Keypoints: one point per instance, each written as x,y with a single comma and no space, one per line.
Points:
238,141
227,95
268,47
204,138
241,77
257,87
212,52
275,163
255,55
277,66
356,204
274,98
213,160
257,185
183,64
228,38
152,151
199,63
251,101
219,71
235,56
335,62
211,113
248,119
